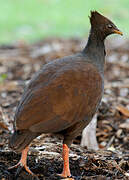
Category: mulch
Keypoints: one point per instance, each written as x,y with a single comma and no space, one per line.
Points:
18,63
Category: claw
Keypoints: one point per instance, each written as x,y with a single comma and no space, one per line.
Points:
15,166
22,163
64,175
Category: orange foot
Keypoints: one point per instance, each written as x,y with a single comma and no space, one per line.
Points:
66,171
65,174
22,162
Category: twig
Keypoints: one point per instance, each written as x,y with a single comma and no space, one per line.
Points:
110,142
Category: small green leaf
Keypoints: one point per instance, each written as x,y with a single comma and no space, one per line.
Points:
3,77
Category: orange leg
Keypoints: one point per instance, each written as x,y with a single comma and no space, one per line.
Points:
66,170
23,160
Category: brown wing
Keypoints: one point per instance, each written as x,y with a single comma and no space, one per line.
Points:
64,97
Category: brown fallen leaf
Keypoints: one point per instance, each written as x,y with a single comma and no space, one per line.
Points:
124,125
9,86
2,125
123,110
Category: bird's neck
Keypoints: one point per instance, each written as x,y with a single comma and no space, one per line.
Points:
95,48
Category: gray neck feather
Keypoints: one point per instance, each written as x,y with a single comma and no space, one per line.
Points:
95,49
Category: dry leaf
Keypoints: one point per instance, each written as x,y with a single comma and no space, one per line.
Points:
123,110
124,125
9,86
2,125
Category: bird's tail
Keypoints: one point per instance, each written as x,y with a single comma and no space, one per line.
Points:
21,139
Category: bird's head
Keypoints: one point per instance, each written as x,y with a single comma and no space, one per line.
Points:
103,25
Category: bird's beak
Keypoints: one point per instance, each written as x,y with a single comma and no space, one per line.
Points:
117,31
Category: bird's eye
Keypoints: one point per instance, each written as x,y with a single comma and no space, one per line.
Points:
110,26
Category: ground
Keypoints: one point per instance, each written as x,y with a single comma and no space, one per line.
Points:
18,63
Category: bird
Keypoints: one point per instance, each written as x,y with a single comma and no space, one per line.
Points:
63,96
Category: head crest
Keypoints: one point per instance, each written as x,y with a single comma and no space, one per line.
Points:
97,19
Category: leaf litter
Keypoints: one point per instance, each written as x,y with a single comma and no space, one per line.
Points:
18,63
